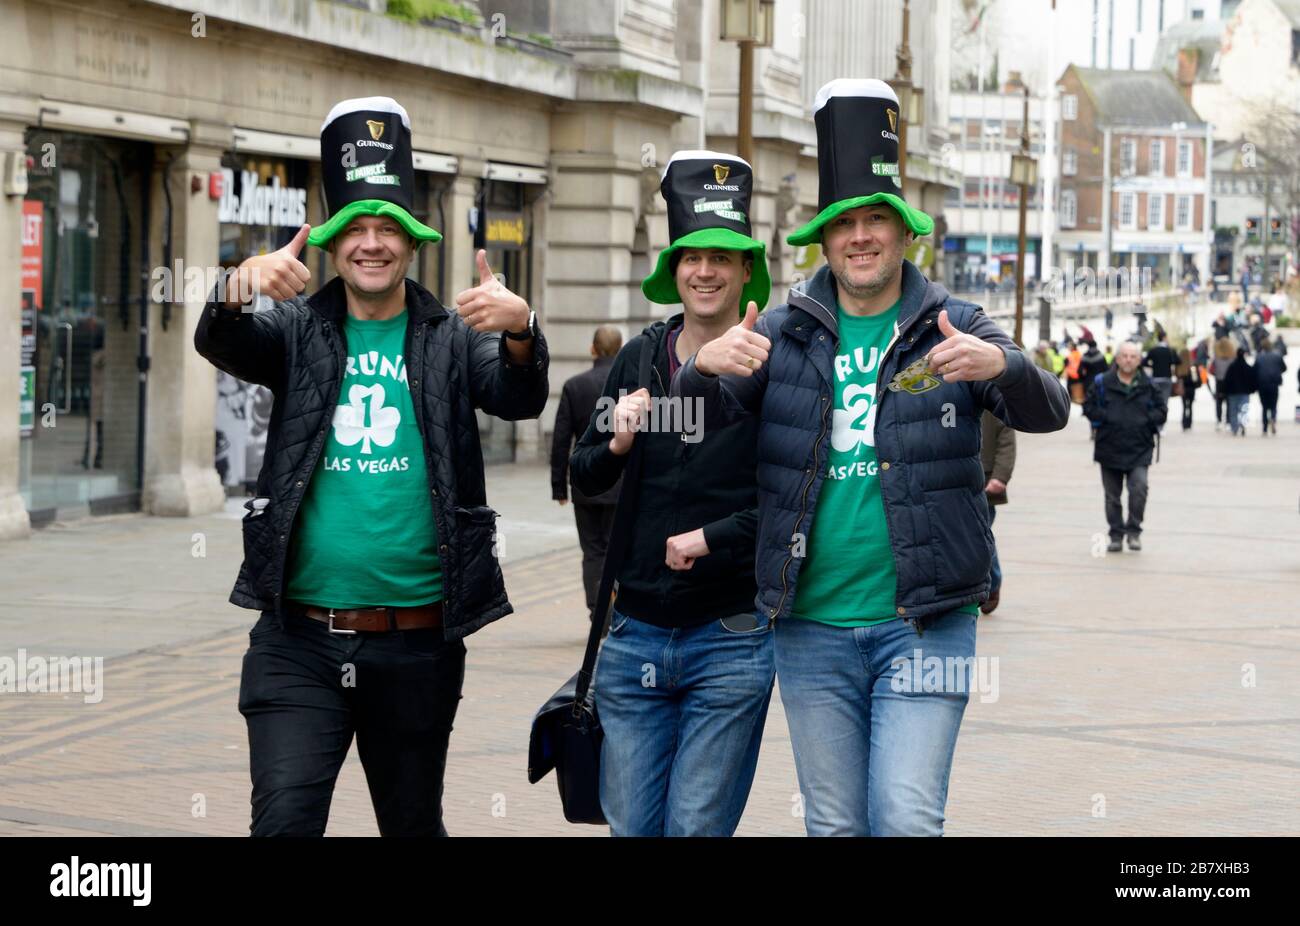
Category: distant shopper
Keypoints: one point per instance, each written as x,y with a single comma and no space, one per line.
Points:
1239,383
1127,411
1269,367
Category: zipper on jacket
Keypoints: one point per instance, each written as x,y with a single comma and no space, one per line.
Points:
803,509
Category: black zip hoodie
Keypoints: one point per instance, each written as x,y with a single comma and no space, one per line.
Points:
685,484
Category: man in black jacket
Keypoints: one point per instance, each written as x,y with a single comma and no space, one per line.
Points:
685,674
1161,360
594,514
369,547
1127,411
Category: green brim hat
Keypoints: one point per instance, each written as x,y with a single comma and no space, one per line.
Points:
661,286
367,167
321,235
857,156
708,196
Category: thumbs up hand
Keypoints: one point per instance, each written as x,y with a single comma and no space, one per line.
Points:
489,306
739,352
280,274
962,357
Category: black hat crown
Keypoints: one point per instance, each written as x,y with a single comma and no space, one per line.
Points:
857,140
706,189
365,147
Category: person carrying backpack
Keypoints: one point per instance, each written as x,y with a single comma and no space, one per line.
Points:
1127,411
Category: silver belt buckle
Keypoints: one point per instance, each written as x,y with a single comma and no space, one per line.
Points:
345,633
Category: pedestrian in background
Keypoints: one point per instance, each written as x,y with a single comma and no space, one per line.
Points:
1238,385
1127,411
593,514
1160,360
998,457
1188,376
1269,367
1224,353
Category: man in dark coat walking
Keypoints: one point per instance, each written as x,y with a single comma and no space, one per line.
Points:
1127,411
594,514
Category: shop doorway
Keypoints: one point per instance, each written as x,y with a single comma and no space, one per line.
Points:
83,263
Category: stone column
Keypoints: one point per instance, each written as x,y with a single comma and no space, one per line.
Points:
180,479
15,115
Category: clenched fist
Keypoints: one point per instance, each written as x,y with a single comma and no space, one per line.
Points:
490,306
279,274
628,416
739,352
682,550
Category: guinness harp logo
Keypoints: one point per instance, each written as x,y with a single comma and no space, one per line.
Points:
377,129
720,173
892,114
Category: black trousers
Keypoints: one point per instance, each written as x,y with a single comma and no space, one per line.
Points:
1112,481
1189,396
594,524
1268,399
304,692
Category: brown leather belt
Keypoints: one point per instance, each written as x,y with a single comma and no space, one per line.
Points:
374,620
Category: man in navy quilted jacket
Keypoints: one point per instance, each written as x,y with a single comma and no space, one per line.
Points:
874,544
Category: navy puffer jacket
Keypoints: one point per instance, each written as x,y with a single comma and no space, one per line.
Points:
931,479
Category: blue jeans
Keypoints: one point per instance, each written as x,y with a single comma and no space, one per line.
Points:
683,713
1238,405
873,760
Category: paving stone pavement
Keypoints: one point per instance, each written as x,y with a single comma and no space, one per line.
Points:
1155,693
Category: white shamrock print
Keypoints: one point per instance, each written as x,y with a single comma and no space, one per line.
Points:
353,424
855,424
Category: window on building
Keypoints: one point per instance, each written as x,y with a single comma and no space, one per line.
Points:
1155,211
1183,213
1128,156
970,191
1184,159
1156,158
1069,162
1128,210
1069,106
1069,208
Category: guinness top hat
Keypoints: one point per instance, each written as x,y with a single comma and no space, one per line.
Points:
708,207
857,155
366,167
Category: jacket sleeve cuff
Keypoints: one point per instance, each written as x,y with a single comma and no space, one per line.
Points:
1014,373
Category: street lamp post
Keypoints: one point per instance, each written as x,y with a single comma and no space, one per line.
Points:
903,89
750,24
1024,172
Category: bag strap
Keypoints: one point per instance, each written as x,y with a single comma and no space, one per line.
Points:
620,536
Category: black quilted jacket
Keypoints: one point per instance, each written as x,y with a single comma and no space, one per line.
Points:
297,349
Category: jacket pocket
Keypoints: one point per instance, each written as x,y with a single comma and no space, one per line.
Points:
959,539
257,528
480,583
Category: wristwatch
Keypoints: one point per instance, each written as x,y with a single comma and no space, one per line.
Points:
527,333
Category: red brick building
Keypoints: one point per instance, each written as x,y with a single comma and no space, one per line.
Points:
1134,176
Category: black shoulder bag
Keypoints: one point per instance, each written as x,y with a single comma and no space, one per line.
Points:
566,733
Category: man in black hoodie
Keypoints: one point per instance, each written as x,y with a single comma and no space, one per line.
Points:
685,675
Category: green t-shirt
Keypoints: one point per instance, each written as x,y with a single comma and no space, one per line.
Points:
365,534
848,578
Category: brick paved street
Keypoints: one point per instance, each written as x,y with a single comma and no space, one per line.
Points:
1121,707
